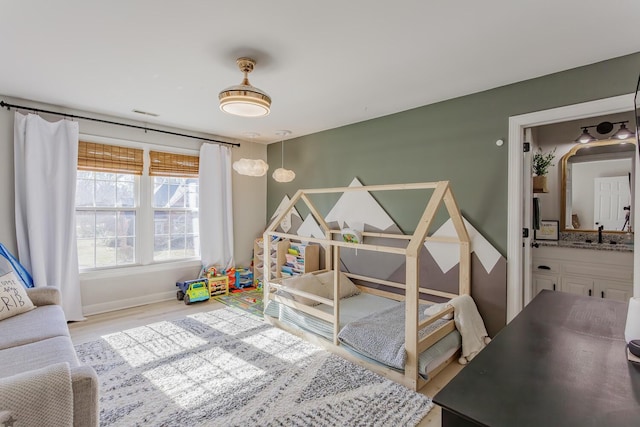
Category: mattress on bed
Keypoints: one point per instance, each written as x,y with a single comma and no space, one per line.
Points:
355,308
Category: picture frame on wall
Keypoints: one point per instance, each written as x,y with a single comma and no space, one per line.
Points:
549,230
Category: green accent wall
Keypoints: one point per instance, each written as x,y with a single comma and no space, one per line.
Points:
451,140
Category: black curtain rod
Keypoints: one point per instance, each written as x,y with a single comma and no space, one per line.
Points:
37,110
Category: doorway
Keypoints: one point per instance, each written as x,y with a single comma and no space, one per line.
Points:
519,261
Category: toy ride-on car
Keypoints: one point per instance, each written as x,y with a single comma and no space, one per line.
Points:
193,290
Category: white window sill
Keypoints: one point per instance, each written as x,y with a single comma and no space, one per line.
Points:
139,269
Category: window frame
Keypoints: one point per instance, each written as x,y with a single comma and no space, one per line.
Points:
169,210
135,208
144,233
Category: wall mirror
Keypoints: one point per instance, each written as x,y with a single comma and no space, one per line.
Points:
597,186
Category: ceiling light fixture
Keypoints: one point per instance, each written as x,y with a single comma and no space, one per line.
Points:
281,174
251,167
604,128
623,132
243,99
585,137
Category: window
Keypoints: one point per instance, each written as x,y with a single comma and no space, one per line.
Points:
175,218
105,219
175,205
112,208
106,204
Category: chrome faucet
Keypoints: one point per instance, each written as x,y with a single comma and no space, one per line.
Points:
600,233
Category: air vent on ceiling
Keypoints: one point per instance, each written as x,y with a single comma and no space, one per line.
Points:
145,113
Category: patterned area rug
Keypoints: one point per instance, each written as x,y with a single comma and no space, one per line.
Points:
226,368
249,301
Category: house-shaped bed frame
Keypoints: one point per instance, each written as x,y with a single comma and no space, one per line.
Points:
409,292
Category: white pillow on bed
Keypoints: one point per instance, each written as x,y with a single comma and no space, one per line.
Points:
347,287
307,283
321,285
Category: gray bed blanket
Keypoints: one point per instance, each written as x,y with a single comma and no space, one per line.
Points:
380,336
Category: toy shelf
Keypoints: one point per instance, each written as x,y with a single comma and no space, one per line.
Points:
286,259
219,285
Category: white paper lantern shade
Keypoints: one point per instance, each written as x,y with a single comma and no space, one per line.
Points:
281,174
251,167
284,175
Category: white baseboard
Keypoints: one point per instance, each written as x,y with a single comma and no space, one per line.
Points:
89,310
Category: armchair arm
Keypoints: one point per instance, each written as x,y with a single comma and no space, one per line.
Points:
50,396
45,295
85,384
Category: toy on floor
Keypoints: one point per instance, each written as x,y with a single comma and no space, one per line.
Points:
244,278
193,290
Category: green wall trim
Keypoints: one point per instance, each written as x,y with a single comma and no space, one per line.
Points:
451,140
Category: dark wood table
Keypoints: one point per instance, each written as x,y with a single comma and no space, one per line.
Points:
561,362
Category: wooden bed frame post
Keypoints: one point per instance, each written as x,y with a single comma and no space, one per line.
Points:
465,244
336,294
412,294
412,297
266,267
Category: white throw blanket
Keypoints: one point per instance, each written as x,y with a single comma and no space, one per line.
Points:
469,324
41,397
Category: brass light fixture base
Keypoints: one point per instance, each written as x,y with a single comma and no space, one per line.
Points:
246,64
243,99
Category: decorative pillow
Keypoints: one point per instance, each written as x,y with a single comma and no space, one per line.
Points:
307,283
347,287
13,297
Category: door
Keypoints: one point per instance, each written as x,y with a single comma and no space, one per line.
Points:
518,192
611,196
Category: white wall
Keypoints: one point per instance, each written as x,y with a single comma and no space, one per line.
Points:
127,287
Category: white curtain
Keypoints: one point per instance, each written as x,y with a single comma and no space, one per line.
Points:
46,160
216,206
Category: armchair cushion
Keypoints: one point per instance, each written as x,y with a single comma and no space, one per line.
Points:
36,325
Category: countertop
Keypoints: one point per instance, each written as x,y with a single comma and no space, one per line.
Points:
606,246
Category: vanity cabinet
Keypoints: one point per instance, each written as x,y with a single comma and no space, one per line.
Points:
546,275
588,272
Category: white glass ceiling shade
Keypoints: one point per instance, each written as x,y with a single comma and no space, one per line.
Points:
585,137
245,100
622,133
251,167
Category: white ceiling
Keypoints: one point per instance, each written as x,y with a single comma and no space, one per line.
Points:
325,63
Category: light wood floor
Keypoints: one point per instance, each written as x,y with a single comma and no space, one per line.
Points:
101,324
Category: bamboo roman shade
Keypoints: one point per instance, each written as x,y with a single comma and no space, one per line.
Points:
171,164
109,158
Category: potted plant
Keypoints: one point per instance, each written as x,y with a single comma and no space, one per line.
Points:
541,163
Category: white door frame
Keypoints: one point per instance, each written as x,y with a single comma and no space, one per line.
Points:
517,124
